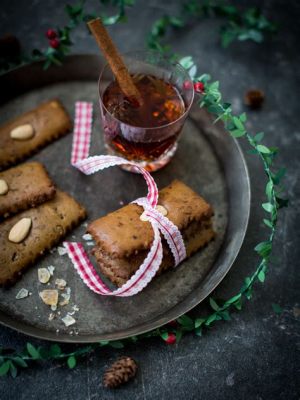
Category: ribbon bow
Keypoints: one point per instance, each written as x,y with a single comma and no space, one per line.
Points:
161,224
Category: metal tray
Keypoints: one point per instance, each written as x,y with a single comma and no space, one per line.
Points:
208,160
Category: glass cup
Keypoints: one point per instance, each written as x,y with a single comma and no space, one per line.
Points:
152,147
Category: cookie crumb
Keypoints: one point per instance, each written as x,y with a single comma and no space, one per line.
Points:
68,320
51,269
61,250
51,316
87,236
49,297
22,294
44,275
60,283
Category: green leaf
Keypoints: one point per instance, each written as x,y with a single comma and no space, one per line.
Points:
164,335
233,299
185,321
13,370
177,22
32,351
228,35
243,117
261,276
259,137
211,319
263,248
20,362
117,344
237,133
238,123
225,315
248,293
238,304
213,304
203,78
55,350
268,223
279,175
198,331
71,361
44,353
277,309
104,342
199,322
178,335
263,149
214,109
268,207
4,368
251,34
269,190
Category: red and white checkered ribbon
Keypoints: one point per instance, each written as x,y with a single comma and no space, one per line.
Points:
160,224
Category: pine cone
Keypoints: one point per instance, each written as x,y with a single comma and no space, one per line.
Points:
120,372
254,98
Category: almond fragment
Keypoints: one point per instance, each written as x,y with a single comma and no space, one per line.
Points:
3,187
20,230
49,297
22,132
144,217
44,275
161,210
60,283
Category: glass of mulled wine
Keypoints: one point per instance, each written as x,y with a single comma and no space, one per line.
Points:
146,133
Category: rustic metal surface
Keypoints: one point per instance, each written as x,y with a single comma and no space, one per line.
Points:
207,159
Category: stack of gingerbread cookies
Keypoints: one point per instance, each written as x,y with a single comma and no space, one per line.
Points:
34,214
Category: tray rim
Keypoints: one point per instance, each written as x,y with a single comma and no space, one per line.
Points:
171,314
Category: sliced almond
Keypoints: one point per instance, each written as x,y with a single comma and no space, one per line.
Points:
22,132
3,187
60,283
161,210
44,275
144,217
20,230
49,297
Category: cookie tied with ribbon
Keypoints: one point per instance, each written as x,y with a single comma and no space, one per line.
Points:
171,225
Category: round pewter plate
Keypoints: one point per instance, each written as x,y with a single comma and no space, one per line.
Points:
208,160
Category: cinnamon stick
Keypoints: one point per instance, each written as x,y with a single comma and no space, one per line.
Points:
114,60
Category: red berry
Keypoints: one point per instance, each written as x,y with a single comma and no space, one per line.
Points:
54,43
171,339
199,87
51,34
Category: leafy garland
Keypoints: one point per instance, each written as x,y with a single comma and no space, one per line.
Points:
248,25
60,39
209,98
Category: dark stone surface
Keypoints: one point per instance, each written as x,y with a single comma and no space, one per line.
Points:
256,354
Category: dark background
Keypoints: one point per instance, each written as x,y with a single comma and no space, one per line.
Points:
256,354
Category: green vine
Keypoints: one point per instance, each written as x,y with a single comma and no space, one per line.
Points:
250,24
209,98
55,55
247,25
